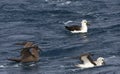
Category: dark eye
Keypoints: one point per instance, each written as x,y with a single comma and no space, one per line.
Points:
102,59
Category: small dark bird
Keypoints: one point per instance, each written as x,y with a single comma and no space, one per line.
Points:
29,53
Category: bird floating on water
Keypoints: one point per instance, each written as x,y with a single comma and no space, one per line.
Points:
78,29
29,53
88,61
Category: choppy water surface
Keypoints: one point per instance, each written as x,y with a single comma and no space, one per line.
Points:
43,21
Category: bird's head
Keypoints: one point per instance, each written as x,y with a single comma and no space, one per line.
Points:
85,22
101,60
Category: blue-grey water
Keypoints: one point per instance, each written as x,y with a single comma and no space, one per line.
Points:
43,21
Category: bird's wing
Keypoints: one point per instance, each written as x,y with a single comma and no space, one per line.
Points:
73,27
14,59
26,52
30,51
28,44
86,58
25,44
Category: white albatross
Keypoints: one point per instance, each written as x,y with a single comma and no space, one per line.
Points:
78,29
88,61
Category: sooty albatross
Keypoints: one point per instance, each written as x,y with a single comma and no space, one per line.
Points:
29,53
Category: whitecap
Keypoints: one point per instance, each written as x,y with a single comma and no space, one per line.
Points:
112,56
2,66
32,65
67,2
16,65
75,69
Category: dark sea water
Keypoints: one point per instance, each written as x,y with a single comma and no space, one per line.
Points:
43,21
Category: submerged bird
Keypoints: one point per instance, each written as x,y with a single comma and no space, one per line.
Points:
78,29
88,61
29,53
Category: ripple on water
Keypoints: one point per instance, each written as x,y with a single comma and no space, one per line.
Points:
14,37
5,25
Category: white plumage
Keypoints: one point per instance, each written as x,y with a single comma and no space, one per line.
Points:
78,29
88,62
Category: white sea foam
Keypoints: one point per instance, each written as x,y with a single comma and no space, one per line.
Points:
2,66
32,65
16,65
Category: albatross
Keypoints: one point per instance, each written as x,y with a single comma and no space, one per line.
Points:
78,29
88,62
29,53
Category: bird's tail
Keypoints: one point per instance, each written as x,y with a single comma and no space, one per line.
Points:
14,59
67,27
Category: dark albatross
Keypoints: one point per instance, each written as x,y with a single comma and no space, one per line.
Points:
29,53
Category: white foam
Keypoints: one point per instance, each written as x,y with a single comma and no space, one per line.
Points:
2,66
16,65
75,69
32,65
112,56
67,2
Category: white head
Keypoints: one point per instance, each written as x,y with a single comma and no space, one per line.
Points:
100,61
84,22
84,27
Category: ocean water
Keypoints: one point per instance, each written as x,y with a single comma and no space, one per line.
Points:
43,21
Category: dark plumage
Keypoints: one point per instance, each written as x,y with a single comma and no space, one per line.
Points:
73,27
30,53
88,56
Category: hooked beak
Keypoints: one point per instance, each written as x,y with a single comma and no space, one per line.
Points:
103,62
88,23
40,50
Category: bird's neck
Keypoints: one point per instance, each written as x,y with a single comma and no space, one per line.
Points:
98,63
84,27
35,53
